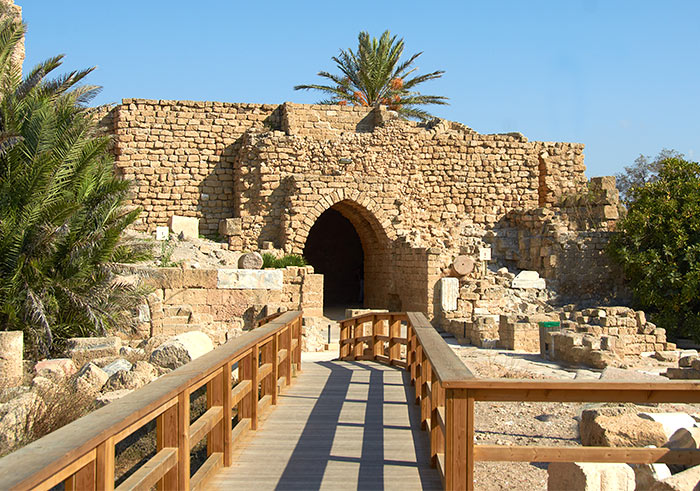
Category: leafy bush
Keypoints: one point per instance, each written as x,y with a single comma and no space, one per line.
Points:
270,261
658,246
61,208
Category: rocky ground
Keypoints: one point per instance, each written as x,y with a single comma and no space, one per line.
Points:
534,423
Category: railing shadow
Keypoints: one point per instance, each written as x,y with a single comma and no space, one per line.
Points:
315,449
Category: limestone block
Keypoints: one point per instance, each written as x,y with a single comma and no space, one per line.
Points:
11,349
588,476
619,427
82,349
449,292
250,279
229,226
187,226
250,260
528,279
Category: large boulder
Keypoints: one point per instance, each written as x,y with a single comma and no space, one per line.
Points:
685,439
55,368
90,379
140,374
588,476
111,396
619,426
118,365
181,349
16,417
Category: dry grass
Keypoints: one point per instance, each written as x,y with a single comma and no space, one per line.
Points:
57,405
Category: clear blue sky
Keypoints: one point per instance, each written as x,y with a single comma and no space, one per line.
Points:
623,77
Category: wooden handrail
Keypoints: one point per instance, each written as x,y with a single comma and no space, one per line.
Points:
82,452
446,390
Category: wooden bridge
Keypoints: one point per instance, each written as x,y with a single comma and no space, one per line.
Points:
395,411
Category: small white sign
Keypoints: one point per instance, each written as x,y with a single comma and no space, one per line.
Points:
162,233
485,253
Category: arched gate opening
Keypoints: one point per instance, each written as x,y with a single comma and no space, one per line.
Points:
349,247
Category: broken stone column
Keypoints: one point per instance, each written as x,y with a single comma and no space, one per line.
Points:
11,351
449,292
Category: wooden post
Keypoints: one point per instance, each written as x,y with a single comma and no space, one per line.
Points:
357,346
268,383
342,347
377,330
83,480
290,355
413,351
418,370
437,438
248,370
394,332
459,451
104,465
227,424
274,353
167,436
298,358
183,447
215,397
426,370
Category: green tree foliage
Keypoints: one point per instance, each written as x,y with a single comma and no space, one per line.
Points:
658,246
61,208
645,169
375,74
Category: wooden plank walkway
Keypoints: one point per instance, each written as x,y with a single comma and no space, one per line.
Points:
342,425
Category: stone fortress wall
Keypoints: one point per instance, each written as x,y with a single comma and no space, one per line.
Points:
417,194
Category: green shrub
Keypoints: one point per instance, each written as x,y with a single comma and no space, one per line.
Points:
658,247
270,261
62,209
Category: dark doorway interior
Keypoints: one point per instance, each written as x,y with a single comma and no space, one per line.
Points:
334,249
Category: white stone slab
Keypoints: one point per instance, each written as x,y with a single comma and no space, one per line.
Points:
162,233
671,422
187,226
529,279
250,279
449,292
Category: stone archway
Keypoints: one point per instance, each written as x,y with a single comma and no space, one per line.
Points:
352,248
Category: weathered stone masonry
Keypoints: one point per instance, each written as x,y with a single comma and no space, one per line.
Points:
412,191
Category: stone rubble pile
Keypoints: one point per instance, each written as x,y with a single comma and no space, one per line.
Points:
629,426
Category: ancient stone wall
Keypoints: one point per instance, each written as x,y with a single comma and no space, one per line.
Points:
276,169
195,299
179,155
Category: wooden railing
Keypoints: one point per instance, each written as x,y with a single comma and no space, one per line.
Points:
82,453
446,392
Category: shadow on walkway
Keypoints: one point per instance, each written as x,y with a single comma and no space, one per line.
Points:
325,455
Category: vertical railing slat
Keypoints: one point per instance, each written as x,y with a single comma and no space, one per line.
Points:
104,465
167,432
227,424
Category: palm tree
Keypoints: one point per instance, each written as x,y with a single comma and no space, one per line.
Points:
374,75
61,208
